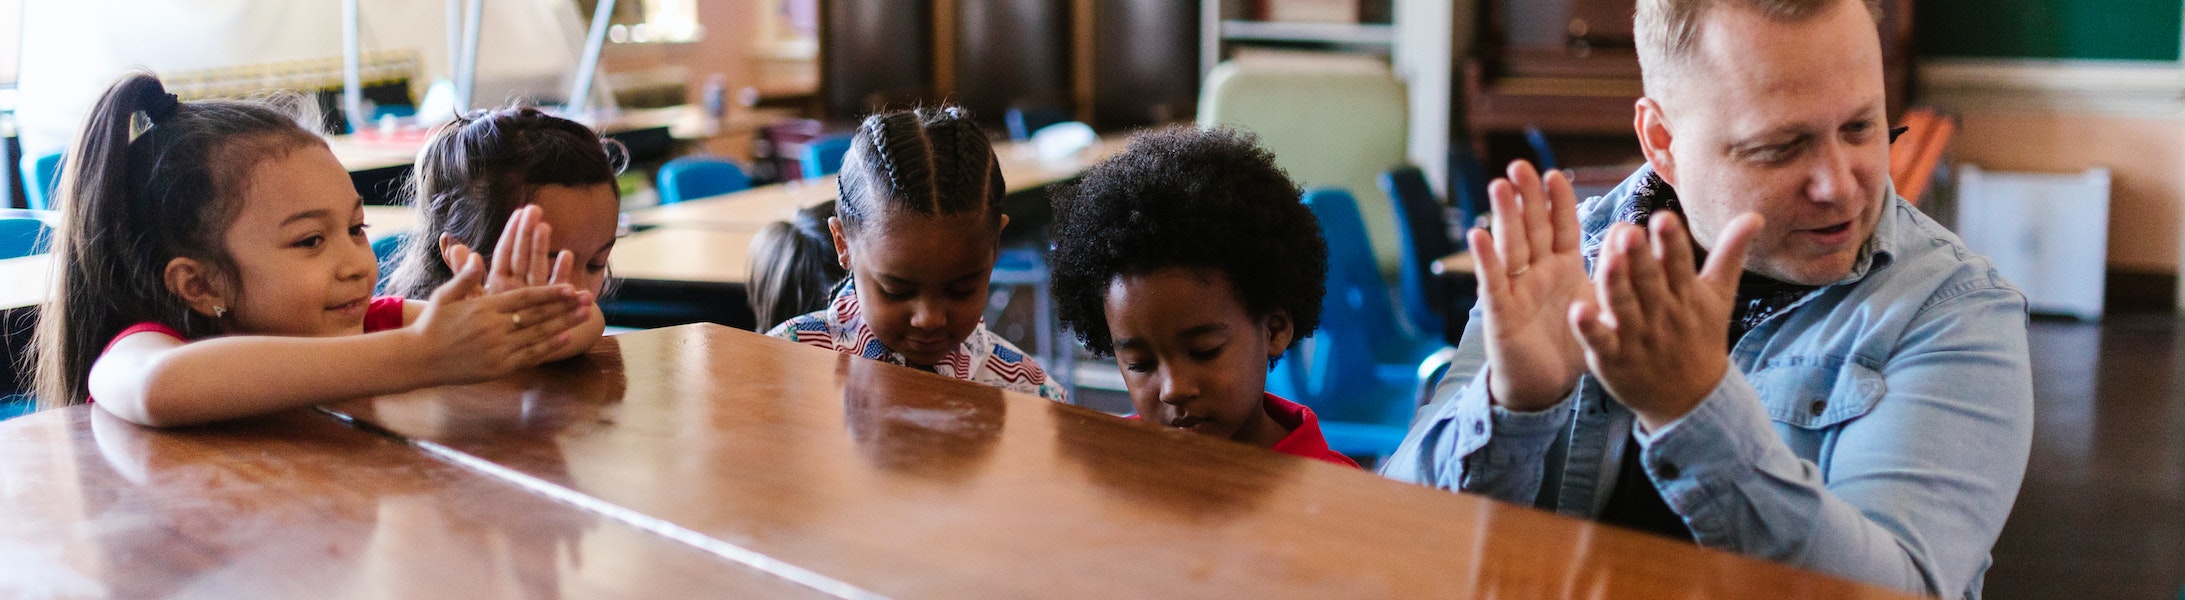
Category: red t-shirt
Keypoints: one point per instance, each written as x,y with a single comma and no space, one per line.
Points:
382,314
1305,438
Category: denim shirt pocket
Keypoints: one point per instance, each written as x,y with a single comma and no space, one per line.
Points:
1816,392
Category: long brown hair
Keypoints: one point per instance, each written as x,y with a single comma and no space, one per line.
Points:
478,170
793,267
928,161
150,179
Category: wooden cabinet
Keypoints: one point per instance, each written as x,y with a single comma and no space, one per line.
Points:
1568,67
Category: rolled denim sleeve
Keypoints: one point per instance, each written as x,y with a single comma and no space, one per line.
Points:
1915,492
1463,442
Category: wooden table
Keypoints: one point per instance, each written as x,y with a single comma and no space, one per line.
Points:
25,281
753,208
298,505
683,255
850,477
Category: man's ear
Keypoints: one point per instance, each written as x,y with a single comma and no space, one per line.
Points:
842,242
198,286
1280,330
1652,124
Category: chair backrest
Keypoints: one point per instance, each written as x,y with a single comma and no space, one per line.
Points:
41,177
1335,370
1916,156
1424,234
1024,120
20,237
384,251
1357,127
823,155
699,176
1468,183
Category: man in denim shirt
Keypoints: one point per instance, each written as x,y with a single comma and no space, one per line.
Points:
1878,417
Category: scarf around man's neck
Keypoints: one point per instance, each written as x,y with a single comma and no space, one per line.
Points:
1758,296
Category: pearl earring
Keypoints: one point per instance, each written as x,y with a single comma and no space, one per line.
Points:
219,311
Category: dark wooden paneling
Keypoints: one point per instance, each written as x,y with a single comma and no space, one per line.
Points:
1009,52
874,53
1145,62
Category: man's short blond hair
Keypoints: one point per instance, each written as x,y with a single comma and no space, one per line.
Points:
1668,30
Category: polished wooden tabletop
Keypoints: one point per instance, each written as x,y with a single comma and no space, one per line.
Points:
750,209
863,478
298,505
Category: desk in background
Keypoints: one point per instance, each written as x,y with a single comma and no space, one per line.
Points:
1022,172
848,477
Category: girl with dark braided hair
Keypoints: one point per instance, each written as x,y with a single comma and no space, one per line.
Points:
918,227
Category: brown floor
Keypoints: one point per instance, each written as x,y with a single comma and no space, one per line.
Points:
2102,513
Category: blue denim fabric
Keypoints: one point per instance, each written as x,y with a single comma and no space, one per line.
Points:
1878,429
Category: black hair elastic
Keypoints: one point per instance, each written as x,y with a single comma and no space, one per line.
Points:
159,106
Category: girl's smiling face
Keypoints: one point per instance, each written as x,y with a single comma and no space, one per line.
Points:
297,243
1191,354
920,279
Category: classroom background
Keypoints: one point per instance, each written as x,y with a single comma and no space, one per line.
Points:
2050,134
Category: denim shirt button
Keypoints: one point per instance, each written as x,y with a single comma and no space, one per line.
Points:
1818,406
1479,428
1666,470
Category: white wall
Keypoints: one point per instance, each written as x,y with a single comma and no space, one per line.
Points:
73,49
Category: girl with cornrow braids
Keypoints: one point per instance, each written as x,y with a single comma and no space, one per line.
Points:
918,227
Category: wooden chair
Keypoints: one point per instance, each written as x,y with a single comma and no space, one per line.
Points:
1917,153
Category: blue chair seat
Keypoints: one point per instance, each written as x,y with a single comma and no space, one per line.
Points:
823,155
21,237
699,176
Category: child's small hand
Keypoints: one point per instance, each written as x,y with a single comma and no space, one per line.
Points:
470,335
520,258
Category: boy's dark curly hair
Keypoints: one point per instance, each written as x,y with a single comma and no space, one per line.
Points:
1187,197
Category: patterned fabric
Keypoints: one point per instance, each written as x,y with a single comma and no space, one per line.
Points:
981,358
1758,297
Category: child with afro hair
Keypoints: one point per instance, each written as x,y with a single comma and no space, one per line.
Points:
1189,258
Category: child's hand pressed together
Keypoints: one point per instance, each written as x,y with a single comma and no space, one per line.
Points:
468,334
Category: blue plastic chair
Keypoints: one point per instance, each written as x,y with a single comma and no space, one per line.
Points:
699,176
1423,234
823,155
16,405
41,177
1019,270
1024,120
1359,372
20,237
384,250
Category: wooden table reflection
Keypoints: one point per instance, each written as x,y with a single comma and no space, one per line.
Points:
297,505
859,478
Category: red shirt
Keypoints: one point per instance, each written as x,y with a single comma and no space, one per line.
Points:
1305,439
382,314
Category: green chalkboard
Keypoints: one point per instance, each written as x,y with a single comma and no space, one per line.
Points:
2073,29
